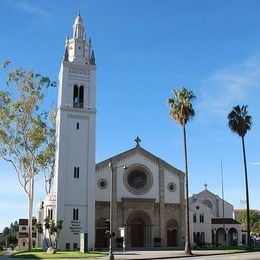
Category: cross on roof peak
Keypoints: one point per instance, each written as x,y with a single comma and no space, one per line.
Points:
138,141
206,186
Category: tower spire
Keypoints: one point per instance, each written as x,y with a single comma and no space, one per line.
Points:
66,54
92,58
78,27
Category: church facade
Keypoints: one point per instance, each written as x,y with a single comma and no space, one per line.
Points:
147,199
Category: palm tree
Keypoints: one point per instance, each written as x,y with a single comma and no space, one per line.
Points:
240,122
181,110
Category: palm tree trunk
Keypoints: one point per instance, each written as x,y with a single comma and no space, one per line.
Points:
247,195
187,217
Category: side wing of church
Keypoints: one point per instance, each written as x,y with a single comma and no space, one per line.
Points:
212,221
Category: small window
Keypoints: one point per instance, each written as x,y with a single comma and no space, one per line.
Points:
77,126
67,246
194,237
172,187
75,246
23,243
76,172
202,237
50,213
102,184
23,228
194,217
202,218
75,214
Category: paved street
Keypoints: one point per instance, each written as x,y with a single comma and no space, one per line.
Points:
247,256
210,254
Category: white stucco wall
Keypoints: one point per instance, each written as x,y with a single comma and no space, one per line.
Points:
171,197
137,160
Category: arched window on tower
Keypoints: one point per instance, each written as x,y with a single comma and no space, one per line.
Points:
81,96
78,96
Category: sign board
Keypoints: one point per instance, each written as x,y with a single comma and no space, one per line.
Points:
122,232
83,242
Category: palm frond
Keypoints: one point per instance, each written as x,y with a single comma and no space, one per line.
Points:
239,121
180,104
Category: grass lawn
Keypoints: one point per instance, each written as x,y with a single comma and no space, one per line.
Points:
2,253
60,254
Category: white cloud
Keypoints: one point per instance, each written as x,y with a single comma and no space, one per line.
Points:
230,86
256,163
32,9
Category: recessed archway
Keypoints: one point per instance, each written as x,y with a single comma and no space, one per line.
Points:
172,231
232,237
139,229
220,237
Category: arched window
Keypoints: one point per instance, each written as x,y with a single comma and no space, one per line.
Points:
194,218
81,96
50,213
201,218
78,96
207,203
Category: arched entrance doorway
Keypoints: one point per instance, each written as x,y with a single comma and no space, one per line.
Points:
220,237
139,230
101,239
232,237
172,233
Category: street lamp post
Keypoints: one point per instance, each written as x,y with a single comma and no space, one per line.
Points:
111,234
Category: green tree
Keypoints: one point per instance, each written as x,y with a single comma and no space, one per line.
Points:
181,110
242,218
6,231
25,130
14,227
53,229
256,227
240,122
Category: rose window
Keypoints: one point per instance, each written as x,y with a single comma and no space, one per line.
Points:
138,180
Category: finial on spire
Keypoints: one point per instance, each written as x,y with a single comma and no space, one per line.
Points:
206,186
138,141
78,27
66,54
92,58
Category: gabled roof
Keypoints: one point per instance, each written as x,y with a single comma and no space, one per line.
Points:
138,150
206,191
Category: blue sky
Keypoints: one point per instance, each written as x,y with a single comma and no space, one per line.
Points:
145,49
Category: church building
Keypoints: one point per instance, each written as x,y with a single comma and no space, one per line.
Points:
212,221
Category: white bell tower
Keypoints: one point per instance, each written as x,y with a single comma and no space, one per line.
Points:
76,134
